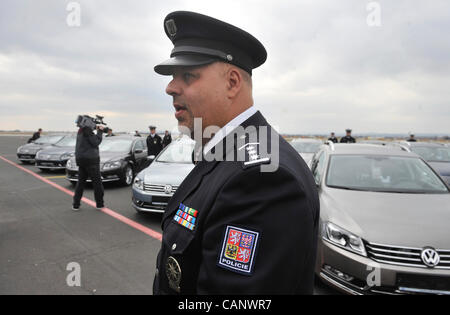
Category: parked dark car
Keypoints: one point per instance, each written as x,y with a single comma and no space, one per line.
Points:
56,156
27,153
121,157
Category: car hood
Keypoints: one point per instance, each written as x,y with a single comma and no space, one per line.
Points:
411,220
167,173
443,168
33,148
57,150
111,156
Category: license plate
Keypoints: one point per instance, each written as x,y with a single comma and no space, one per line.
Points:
424,282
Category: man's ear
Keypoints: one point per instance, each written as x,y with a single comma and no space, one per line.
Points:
234,81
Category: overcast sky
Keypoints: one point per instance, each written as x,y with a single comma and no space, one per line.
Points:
329,65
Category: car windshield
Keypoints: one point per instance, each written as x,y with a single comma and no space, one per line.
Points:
67,142
116,145
178,152
48,139
306,147
383,174
433,154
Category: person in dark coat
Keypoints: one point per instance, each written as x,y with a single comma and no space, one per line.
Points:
35,136
154,142
167,139
348,137
333,138
110,133
87,157
411,139
245,219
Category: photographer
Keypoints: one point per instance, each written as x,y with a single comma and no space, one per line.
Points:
88,160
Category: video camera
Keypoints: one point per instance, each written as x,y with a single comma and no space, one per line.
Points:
86,121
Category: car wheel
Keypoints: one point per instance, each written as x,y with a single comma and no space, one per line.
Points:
128,176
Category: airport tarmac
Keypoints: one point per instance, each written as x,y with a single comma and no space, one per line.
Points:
41,238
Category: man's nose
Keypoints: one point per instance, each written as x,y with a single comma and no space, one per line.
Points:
173,88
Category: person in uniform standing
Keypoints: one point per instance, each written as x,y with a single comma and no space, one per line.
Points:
235,225
333,138
109,133
411,138
167,139
154,142
348,137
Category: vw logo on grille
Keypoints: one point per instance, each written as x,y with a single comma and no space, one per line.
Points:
168,189
430,257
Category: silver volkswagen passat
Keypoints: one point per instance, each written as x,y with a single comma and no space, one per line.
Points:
155,185
385,217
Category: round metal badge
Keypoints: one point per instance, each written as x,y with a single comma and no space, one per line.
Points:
173,273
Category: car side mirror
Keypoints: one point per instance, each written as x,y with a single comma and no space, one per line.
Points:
151,157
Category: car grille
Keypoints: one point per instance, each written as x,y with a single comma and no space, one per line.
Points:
159,188
158,203
404,256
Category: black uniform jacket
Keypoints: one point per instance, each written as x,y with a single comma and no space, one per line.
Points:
167,140
232,229
333,139
154,145
348,139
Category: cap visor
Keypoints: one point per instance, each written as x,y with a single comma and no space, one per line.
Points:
167,67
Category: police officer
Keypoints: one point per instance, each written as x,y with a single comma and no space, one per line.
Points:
245,220
110,133
333,138
88,160
411,138
154,142
35,136
167,139
348,137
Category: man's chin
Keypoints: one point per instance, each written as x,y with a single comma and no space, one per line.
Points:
185,130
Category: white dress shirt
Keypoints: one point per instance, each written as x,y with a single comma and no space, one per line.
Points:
228,128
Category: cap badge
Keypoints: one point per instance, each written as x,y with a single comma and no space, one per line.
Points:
171,27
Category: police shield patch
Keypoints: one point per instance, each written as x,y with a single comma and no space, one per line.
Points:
238,250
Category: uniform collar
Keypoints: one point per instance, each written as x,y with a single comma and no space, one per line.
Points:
228,128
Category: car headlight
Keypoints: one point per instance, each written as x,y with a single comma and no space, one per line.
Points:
138,183
112,165
342,238
66,156
19,149
71,165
